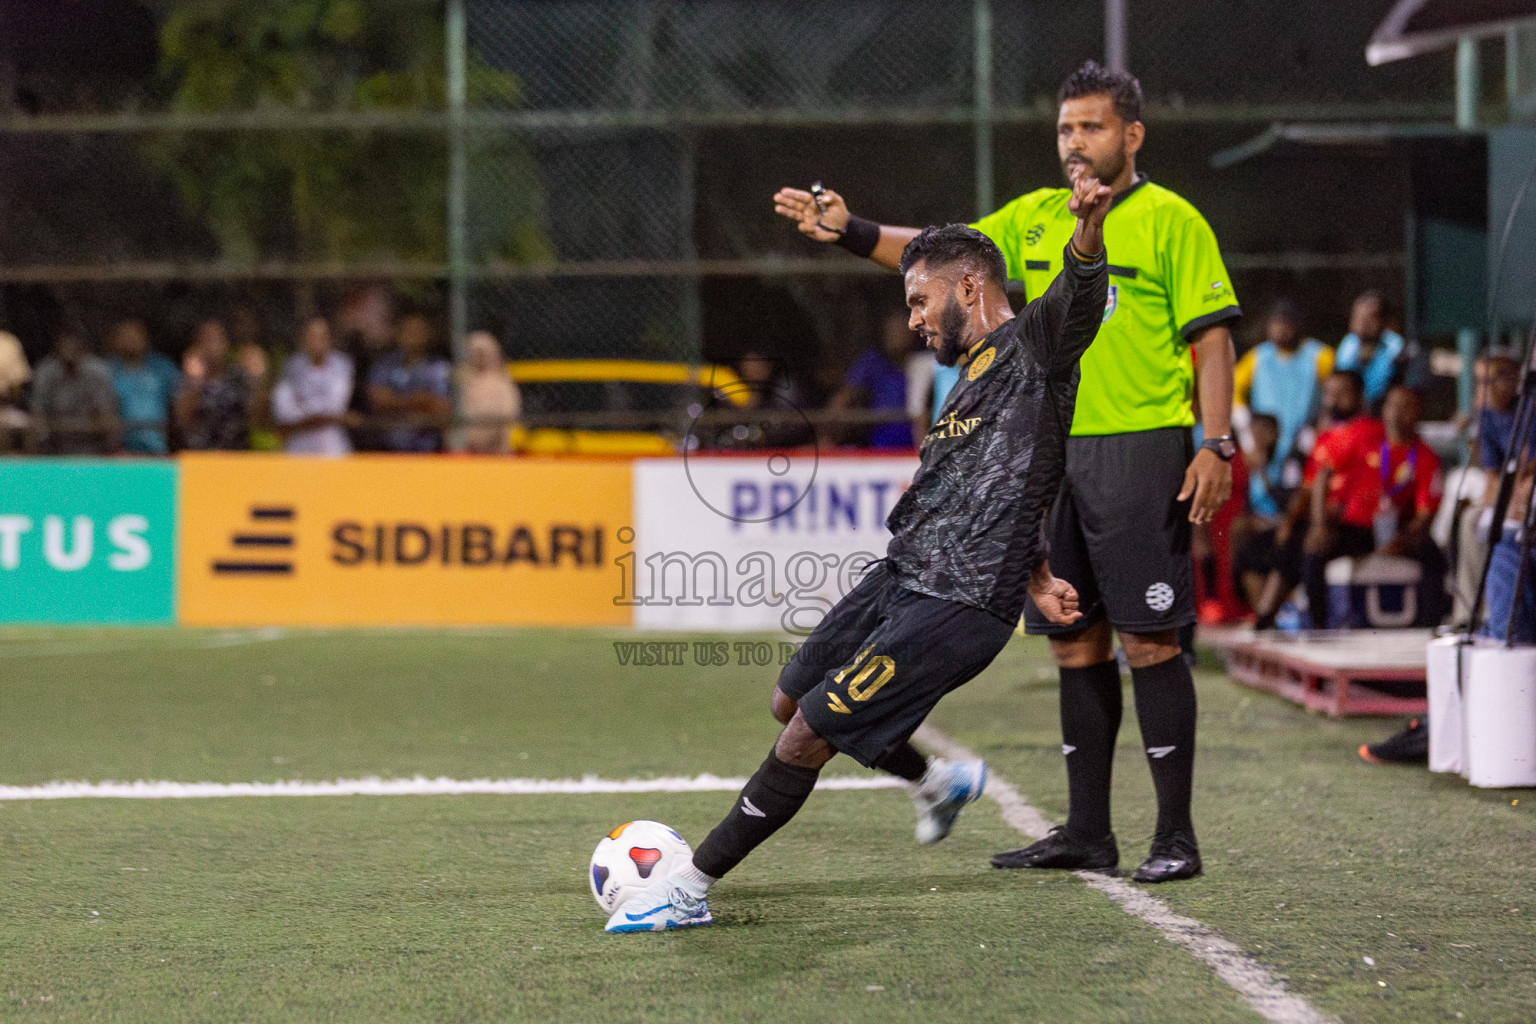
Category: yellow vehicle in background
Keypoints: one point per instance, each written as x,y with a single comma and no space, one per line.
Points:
594,406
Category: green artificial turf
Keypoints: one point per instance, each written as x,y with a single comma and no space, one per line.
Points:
475,908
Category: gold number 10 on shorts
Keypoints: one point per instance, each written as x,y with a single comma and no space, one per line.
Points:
866,682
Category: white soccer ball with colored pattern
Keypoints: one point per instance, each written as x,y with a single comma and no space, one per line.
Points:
633,856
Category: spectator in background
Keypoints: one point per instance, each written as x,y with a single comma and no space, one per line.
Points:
1377,488
878,381
766,386
1282,377
14,375
486,393
1380,356
251,357
146,383
1276,556
1504,572
74,406
214,405
309,403
410,388
1498,375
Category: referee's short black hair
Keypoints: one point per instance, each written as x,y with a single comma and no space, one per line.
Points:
957,243
1094,80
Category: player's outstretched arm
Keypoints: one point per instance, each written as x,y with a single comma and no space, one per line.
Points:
829,222
1063,321
1055,597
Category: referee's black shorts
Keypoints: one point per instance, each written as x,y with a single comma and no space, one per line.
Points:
882,658
1120,536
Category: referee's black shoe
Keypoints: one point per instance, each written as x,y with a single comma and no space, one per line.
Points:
1172,857
1060,850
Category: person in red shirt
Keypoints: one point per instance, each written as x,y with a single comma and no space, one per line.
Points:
1280,561
1377,488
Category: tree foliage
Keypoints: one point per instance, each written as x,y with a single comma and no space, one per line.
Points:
335,195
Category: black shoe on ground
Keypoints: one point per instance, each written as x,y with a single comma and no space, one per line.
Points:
1172,857
1060,850
1411,746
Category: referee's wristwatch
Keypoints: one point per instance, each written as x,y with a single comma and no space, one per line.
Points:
1224,447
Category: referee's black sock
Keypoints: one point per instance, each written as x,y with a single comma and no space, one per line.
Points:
1165,707
1091,706
769,799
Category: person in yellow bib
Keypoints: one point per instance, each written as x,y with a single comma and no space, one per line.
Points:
1135,483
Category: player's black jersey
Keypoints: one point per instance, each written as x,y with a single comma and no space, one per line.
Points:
968,529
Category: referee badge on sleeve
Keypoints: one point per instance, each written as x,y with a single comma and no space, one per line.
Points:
1112,301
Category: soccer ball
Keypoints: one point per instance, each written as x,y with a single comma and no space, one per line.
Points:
631,857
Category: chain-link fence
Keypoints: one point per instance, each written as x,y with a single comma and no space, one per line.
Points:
588,177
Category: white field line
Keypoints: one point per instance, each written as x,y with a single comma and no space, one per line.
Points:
418,786
1264,992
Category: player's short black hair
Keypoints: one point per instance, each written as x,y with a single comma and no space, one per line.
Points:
942,246
1092,79
1356,381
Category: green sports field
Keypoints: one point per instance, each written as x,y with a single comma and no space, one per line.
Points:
475,908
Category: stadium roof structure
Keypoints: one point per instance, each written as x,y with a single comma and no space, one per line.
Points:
1413,27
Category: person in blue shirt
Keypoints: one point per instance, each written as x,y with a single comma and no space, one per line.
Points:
146,382
410,387
878,381
1379,355
1282,377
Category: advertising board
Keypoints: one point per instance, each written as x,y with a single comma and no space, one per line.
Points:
86,540
764,542
274,540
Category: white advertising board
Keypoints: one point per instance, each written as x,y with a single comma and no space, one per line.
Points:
760,543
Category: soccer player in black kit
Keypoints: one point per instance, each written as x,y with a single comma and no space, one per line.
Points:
967,545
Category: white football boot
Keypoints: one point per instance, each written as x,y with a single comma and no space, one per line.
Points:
662,905
938,796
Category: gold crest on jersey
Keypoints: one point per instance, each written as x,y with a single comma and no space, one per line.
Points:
980,363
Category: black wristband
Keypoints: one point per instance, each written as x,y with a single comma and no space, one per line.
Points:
860,236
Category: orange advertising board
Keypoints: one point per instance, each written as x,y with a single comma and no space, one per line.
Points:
400,540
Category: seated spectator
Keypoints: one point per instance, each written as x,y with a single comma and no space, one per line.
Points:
146,383
1377,488
1268,562
1380,356
878,381
74,406
1511,613
1282,377
214,406
488,397
309,403
1497,373
14,375
410,389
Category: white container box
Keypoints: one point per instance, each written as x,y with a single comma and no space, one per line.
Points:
1446,729
1499,708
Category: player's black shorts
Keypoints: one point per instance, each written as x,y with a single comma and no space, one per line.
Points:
882,658
1119,536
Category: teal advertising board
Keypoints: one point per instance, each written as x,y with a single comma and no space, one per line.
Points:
87,540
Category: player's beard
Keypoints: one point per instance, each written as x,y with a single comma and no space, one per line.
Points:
951,334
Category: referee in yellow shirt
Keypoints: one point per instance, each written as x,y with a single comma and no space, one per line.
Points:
1120,528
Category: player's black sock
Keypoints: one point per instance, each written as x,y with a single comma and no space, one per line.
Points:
1091,706
1165,707
903,761
768,800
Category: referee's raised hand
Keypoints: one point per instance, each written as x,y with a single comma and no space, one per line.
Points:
824,222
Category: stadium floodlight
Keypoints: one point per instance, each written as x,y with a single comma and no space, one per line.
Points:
1413,27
